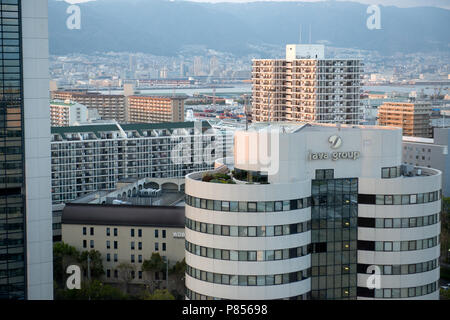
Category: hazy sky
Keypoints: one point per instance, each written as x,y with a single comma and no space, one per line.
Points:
398,3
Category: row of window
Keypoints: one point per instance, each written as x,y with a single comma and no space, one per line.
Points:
397,246
248,255
192,295
248,206
116,232
248,231
399,199
388,223
402,269
248,280
391,172
116,274
396,293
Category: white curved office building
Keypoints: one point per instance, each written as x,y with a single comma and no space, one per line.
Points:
311,211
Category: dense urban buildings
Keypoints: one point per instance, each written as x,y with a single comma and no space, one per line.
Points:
430,153
68,113
306,87
95,157
125,234
331,204
412,117
155,109
109,106
25,203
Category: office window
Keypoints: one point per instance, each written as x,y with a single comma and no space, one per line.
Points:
115,244
132,232
84,243
156,233
91,242
132,258
108,244
163,233
115,232
139,245
108,231
92,231
139,233
84,231
156,246
164,246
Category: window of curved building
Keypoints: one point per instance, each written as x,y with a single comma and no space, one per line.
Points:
398,293
400,199
396,246
250,176
393,223
248,280
248,255
248,231
248,206
402,269
391,172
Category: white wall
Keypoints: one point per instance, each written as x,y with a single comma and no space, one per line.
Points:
37,149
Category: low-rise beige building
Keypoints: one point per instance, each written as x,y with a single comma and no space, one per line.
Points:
125,233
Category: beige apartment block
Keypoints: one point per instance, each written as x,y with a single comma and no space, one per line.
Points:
109,106
306,87
125,234
413,118
155,109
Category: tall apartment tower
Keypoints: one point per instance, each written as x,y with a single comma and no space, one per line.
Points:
26,270
307,87
413,118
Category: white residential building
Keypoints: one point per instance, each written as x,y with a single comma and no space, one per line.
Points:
310,211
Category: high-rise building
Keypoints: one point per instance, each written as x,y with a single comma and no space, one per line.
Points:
96,157
26,264
306,87
198,66
412,117
311,212
109,106
154,109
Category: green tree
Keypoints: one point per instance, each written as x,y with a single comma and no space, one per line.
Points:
94,290
152,266
160,294
63,256
177,272
125,273
95,265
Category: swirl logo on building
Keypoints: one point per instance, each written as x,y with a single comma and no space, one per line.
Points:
74,11
335,141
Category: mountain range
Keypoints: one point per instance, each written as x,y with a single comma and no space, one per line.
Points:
164,27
